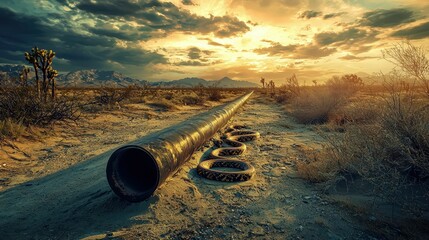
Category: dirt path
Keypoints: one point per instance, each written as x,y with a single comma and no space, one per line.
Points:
78,203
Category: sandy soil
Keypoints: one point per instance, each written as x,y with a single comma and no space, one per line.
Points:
76,202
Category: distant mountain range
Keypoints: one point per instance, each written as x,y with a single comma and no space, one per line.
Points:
225,82
93,78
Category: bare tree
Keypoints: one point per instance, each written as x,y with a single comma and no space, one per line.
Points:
411,59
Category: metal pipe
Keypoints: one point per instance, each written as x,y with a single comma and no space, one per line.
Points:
134,172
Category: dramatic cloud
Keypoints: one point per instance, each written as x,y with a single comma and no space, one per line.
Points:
197,57
417,32
161,39
77,50
355,58
296,51
333,15
354,39
214,43
196,53
387,18
188,2
191,63
310,14
276,49
164,16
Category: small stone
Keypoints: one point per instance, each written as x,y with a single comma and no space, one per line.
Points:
258,231
372,218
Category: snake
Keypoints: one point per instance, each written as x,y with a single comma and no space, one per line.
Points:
219,157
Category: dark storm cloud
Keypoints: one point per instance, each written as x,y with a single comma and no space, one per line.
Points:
387,18
296,51
333,15
75,50
164,16
417,32
188,2
353,39
82,44
276,49
346,36
191,63
197,57
310,14
214,43
194,53
114,8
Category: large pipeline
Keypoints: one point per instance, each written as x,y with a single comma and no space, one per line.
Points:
134,172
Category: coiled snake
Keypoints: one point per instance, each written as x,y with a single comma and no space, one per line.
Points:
217,158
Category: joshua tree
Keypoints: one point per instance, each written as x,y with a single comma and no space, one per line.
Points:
271,85
263,82
23,76
51,77
42,59
45,58
33,59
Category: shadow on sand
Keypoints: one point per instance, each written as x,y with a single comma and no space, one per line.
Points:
69,204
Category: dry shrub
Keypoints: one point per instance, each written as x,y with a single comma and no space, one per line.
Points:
391,152
315,170
288,91
214,94
357,111
315,105
21,104
11,129
110,96
164,104
191,98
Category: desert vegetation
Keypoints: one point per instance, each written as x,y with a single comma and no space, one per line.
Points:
378,134
38,101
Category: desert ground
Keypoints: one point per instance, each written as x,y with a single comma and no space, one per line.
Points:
56,187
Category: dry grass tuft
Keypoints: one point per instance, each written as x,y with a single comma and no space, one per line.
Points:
164,104
317,104
314,106
387,145
11,129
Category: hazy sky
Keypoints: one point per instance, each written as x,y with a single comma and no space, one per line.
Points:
242,39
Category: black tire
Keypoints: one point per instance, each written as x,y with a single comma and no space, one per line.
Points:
205,170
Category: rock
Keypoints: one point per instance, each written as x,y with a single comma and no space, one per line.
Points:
3,180
258,230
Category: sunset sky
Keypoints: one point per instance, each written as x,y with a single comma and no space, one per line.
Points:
242,39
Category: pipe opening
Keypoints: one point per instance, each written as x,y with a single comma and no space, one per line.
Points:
132,173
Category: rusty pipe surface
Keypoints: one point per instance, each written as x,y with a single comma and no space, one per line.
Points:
134,172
